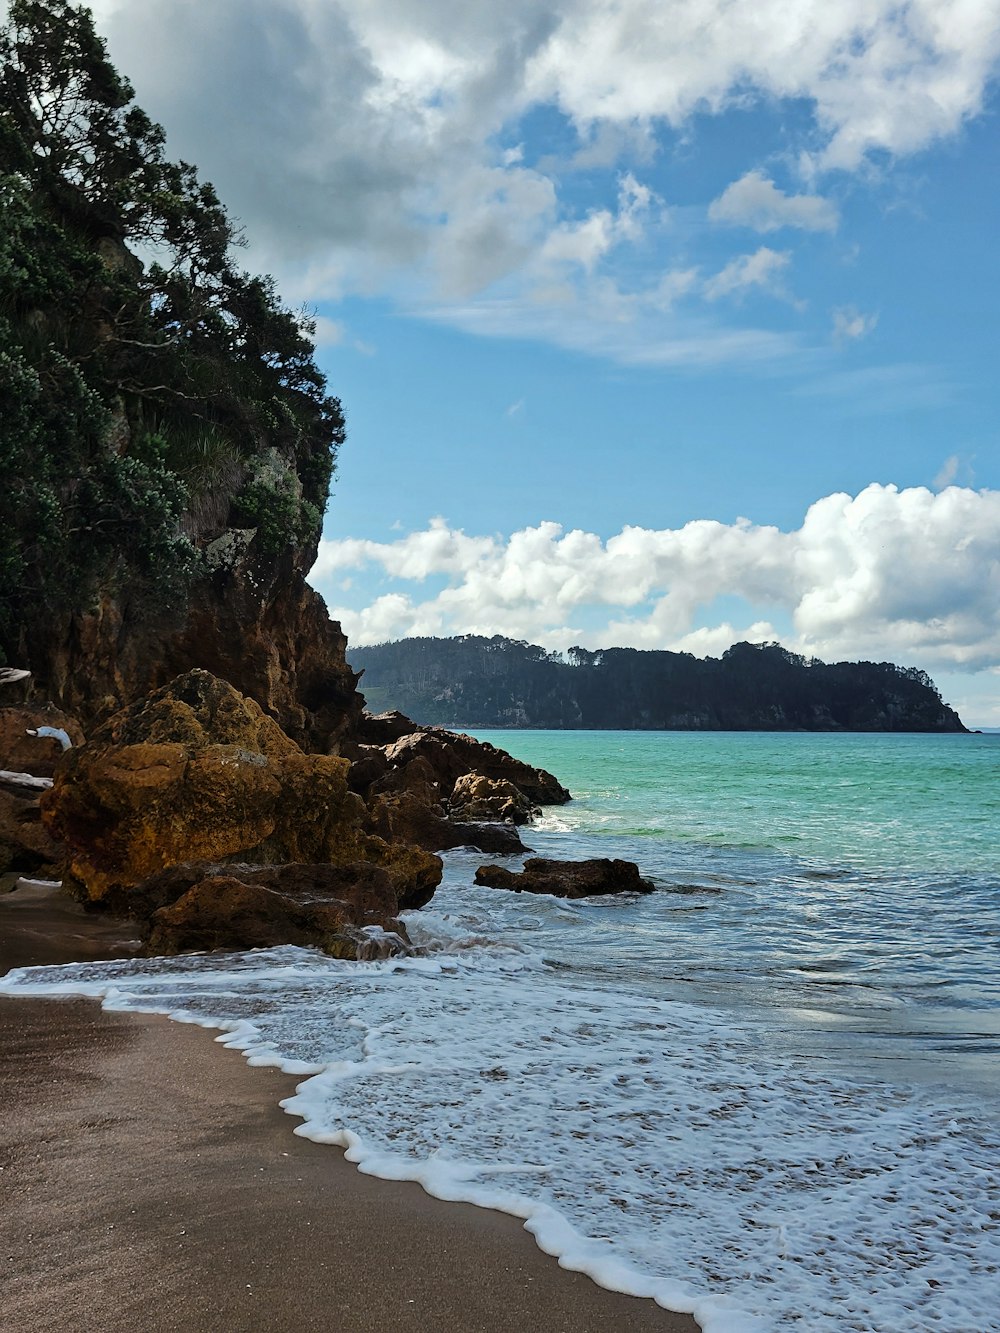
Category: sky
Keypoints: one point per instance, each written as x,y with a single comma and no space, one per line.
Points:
663,323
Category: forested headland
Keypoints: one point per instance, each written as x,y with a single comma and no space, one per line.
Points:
473,681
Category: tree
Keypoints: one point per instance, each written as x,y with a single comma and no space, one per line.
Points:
151,392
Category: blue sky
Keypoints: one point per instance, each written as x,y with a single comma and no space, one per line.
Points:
663,322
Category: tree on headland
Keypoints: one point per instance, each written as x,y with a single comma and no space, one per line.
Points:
753,686
152,393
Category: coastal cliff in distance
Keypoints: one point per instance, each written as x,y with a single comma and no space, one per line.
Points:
471,681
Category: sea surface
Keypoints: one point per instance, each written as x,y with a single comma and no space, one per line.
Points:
767,1093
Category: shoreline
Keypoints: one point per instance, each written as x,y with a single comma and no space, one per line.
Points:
151,1181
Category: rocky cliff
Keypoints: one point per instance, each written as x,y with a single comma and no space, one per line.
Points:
249,618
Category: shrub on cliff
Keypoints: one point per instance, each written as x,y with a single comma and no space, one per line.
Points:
149,388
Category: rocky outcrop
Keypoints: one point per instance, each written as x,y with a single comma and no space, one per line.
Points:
438,789
451,755
408,817
253,621
348,911
567,879
199,772
477,797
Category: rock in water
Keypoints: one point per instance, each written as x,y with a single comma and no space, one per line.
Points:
451,755
567,879
198,772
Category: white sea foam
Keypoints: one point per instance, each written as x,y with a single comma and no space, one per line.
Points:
660,1147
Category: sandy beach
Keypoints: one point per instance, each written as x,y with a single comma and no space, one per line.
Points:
149,1180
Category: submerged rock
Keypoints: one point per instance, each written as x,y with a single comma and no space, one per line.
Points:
199,772
567,879
348,911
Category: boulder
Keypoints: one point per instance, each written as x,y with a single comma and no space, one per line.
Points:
477,798
348,911
198,772
417,777
567,879
368,765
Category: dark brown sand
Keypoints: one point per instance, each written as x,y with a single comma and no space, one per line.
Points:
148,1181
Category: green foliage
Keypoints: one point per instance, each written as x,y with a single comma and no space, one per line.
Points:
131,392
278,514
473,681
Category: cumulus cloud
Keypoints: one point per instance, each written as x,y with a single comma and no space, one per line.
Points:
755,201
375,145
909,575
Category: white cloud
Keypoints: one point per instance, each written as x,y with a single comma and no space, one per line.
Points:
849,324
329,332
366,144
956,470
763,270
755,201
903,575
587,242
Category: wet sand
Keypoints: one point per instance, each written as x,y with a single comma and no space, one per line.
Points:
149,1181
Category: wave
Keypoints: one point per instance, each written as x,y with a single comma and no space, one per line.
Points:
659,1147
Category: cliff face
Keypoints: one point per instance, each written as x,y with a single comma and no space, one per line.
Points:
253,621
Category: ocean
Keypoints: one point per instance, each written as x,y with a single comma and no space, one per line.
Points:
766,1094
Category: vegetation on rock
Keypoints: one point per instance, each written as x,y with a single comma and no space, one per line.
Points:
474,681
152,394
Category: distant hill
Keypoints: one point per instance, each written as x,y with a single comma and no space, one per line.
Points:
472,681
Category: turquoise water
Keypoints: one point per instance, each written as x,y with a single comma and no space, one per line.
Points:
848,885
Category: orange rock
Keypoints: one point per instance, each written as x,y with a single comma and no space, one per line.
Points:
347,911
198,772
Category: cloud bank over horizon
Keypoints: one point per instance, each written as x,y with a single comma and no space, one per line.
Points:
903,575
